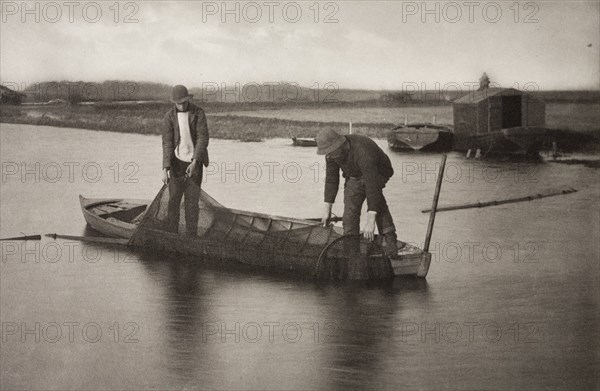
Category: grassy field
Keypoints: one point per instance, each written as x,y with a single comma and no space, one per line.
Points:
573,116
147,119
578,117
389,115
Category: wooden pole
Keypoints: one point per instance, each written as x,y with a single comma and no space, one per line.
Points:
500,202
30,237
436,197
90,239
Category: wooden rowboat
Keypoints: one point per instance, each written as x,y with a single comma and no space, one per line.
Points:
120,218
112,217
420,137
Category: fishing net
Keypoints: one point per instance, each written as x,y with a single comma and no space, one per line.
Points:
297,245
350,257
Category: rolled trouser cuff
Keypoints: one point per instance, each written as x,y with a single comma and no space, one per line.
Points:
388,230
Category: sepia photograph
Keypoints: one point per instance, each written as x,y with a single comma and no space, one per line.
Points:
300,195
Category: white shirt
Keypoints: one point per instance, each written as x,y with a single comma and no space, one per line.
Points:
185,149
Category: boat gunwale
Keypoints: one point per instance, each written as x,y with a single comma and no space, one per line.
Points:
87,203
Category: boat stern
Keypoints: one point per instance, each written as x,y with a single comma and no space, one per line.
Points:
411,261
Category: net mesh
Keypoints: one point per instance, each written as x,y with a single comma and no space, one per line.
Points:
297,245
350,257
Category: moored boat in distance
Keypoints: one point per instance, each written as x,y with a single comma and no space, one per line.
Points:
304,142
420,137
257,239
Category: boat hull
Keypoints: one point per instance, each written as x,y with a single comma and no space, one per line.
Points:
304,142
107,226
98,213
420,137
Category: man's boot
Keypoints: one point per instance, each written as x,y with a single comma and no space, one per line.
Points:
391,244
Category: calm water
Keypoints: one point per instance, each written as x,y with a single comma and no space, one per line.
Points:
510,302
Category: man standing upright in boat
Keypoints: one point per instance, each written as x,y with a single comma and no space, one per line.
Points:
366,169
184,144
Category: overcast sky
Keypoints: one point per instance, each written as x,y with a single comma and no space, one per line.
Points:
369,45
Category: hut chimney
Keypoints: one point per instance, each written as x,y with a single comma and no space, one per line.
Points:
484,82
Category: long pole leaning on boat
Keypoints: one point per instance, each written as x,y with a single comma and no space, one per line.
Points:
436,197
28,237
90,239
505,201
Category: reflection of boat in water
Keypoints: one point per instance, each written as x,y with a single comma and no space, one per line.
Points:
420,137
499,120
257,239
304,142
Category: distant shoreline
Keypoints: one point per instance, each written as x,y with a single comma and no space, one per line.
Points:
276,93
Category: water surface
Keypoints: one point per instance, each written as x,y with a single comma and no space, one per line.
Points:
510,302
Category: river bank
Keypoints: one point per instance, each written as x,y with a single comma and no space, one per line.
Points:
577,127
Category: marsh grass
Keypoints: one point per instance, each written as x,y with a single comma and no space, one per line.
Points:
147,119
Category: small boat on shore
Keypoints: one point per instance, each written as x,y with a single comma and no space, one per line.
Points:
304,142
262,240
420,137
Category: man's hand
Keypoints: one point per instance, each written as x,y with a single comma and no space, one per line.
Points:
326,214
192,169
369,231
166,175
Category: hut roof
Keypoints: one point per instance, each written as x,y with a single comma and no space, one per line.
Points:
478,96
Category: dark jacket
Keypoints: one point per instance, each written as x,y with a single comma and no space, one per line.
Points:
364,160
198,130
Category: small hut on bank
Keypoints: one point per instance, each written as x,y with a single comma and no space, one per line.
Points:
492,109
10,97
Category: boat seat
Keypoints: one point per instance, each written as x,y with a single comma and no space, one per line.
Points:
125,214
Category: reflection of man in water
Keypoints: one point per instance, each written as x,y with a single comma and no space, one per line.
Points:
366,169
184,142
